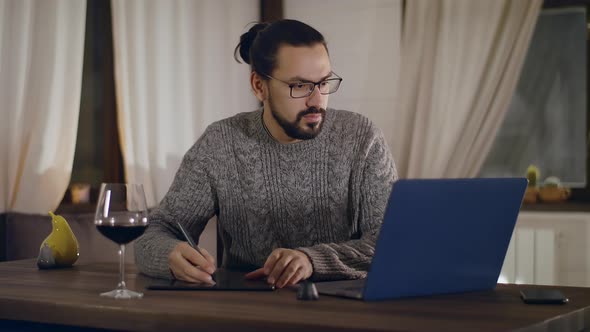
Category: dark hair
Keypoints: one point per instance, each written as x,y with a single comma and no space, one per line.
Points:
258,47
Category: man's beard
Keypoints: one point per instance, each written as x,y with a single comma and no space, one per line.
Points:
292,129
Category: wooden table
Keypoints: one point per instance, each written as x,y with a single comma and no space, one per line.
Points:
69,297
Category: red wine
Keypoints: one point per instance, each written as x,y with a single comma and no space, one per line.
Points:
121,234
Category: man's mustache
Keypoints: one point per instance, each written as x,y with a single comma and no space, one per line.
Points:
311,110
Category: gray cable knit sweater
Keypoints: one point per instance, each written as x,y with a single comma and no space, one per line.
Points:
324,196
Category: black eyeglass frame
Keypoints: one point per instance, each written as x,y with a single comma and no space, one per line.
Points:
291,85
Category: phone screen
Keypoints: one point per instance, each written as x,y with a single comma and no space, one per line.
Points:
543,296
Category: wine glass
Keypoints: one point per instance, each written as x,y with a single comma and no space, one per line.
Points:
121,216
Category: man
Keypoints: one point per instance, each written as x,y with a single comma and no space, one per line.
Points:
299,190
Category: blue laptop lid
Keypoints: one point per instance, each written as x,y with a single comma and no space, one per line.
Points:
444,236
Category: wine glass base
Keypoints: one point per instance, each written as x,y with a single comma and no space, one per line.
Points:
122,294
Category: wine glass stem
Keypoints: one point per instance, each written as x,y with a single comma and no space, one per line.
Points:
122,267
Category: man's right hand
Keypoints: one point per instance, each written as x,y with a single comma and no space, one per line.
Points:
188,265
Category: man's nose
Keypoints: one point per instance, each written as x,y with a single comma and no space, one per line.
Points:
316,98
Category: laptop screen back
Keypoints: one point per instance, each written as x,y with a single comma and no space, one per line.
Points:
444,236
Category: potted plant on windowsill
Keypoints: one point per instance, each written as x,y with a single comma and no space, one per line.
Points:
532,192
552,191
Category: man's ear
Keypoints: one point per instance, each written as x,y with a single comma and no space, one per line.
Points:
259,86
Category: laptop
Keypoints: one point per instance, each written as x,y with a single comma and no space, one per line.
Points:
439,236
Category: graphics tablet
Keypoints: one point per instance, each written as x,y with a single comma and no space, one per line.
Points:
224,281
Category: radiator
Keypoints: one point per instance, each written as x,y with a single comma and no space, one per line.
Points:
530,258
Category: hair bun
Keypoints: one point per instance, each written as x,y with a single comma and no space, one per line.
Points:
246,41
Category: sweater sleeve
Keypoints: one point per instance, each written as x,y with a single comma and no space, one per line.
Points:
351,259
191,200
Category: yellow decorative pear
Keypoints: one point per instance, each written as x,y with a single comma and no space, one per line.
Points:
60,248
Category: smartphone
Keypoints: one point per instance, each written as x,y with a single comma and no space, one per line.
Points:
543,296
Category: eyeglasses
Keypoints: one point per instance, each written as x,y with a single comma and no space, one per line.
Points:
305,89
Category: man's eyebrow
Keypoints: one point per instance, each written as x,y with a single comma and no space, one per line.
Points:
301,79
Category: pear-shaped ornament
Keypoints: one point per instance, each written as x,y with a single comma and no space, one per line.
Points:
60,248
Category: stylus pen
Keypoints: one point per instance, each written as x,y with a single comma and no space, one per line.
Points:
189,239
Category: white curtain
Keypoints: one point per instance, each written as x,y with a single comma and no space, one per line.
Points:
174,75
438,87
364,42
460,63
41,58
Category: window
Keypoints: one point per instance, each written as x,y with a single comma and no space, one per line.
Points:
546,124
97,156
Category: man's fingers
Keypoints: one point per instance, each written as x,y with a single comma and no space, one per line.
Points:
297,277
208,256
271,261
287,273
279,268
193,256
184,270
284,267
180,275
256,274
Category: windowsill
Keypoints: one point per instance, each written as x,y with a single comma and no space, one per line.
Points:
80,208
566,206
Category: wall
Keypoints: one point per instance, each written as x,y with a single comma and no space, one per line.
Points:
364,42
25,233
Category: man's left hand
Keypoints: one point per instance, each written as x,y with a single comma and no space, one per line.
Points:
284,267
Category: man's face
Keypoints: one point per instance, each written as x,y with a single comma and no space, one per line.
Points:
299,118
